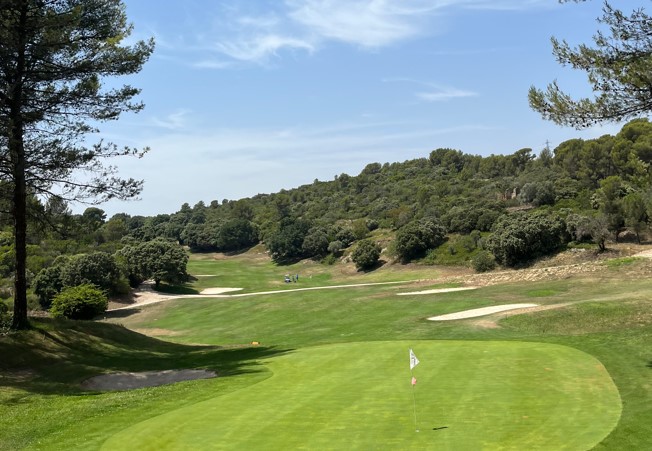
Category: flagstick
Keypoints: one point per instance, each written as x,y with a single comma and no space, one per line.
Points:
414,362
414,399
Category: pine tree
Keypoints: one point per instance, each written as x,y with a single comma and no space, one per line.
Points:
619,69
54,55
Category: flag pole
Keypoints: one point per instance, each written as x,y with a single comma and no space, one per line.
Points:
414,361
414,399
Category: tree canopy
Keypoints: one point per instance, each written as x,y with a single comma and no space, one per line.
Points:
619,70
54,55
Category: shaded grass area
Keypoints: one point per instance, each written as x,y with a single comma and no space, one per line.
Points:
41,370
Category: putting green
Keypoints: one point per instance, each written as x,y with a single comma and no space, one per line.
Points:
469,395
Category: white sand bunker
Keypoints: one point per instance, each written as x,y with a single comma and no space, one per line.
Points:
480,312
131,381
438,290
219,290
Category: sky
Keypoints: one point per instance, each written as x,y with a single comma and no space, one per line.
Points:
245,97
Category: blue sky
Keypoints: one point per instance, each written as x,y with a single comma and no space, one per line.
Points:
252,96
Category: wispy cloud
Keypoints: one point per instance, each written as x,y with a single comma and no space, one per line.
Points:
211,64
173,121
245,31
433,92
363,23
260,48
441,94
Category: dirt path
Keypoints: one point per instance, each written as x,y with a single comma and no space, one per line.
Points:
145,294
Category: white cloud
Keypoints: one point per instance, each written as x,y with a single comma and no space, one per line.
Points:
434,92
173,121
243,31
368,23
212,64
260,48
439,95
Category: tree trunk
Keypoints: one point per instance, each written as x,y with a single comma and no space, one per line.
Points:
16,147
20,231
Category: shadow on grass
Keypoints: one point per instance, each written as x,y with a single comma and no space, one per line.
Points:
379,264
174,289
56,356
122,313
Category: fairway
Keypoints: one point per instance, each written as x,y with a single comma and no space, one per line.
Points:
469,395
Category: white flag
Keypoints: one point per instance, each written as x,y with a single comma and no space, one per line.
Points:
413,360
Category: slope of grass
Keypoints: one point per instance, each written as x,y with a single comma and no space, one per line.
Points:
40,371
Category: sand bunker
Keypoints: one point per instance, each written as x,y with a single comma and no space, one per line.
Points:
480,312
219,290
131,381
438,290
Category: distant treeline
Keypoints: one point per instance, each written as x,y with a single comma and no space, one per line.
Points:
583,190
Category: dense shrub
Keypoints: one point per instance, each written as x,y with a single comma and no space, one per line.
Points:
538,193
47,284
286,244
315,244
345,236
522,237
237,234
158,259
415,238
201,237
483,261
5,317
335,247
366,254
79,302
98,268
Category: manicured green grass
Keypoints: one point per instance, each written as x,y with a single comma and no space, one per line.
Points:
337,358
256,272
469,395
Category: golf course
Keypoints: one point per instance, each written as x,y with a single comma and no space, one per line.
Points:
322,363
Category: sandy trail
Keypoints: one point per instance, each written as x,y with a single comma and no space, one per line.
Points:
145,294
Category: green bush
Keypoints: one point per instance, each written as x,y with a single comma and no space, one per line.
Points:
79,302
416,238
484,261
330,259
366,254
97,268
47,284
522,237
5,317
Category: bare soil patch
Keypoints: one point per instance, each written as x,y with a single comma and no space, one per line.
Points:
132,381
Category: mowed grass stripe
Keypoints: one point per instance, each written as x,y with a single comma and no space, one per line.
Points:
469,395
